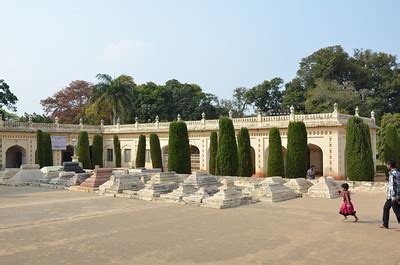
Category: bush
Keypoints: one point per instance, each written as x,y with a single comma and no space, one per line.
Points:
392,144
276,166
213,152
39,158
179,148
141,152
244,153
387,119
117,150
82,150
360,165
48,151
155,151
97,151
227,155
297,151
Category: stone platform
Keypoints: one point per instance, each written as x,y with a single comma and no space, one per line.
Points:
326,188
99,177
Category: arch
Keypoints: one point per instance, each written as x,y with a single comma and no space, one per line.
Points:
67,154
195,157
15,156
266,158
316,158
164,155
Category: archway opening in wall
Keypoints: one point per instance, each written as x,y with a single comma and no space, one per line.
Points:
266,159
15,156
164,152
67,154
253,159
195,158
316,158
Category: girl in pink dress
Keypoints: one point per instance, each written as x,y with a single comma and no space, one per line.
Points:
347,206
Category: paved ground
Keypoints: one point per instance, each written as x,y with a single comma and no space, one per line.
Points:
38,226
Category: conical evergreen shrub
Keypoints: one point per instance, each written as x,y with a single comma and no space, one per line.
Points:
179,148
213,152
276,166
97,151
358,153
82,150
227,154
141,152
39,158
48,151
392,144
244,153
297,154
155,151
117,150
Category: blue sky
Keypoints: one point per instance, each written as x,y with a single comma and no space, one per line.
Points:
219,45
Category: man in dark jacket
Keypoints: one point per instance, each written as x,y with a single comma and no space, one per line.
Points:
392,195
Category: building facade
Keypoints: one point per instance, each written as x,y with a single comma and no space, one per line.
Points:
326,140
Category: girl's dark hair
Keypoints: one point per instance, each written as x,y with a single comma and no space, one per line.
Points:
345,186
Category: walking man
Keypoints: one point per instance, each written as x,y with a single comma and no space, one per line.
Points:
392,195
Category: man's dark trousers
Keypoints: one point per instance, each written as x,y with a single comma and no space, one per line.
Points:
386,210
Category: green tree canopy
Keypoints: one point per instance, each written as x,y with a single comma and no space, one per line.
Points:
392,144
48,151
227,154
7,98
267,96
155,151
276,166
141,152
297,151
97,151
82,150
179,148
244,152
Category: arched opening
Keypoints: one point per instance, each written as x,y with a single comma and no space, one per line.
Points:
67,154
195,158
15,157
266,159
164,152
253,159
315,158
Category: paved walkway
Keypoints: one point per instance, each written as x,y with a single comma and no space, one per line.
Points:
39,226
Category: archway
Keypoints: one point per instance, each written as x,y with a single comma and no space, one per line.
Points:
195,157
67,154
15,157
266,158
164,152
316,158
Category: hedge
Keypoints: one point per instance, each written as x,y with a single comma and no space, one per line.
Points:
297,151
244,153
141,152
48,151
39,158
276,166
392,144
155,151
227,154
82,150
179,148
97,151
213,152
117,150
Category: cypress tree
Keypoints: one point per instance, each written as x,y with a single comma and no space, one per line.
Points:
179,148
48,151
244,153
392,144
117,150
39,159
97,151
141,152
360,165
276,166
297,155
82,150
227,155
213,152
155,151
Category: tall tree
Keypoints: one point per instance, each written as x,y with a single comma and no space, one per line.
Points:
387,119
392,144
97,151
117,150
48,151
39,158
69,103
227,154
297,151
295,95
244,152
213,152
82,150
276,166
267,96
155,151
7,98
239,101
141,152
179,148
116,92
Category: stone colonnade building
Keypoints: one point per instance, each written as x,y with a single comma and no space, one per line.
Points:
326,140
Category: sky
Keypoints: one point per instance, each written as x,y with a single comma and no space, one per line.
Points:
219,45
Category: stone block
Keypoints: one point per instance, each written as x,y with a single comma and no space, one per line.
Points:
196,198
63,178
273,190
118,183
299,185
99,177
8,174
154,190
228,196
78,178
176,196
28,174
72,167
325,188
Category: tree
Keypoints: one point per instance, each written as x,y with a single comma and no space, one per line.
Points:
179,148
36,118
7,98
141,152
48,151
155,151
227,155
82,150
297,151
358,153
69,103
213,152
239,101
244,152
117,150
97,151
276,166
39,158
386,120
267,96
116,92
392,144
295,95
